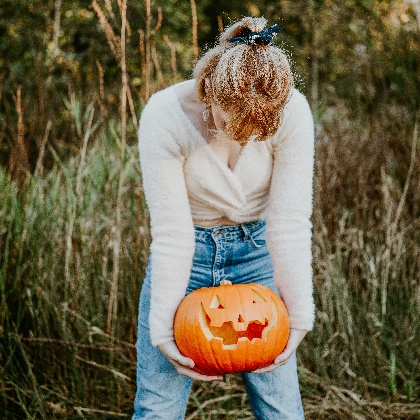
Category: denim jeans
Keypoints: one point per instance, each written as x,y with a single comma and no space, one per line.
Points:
239,254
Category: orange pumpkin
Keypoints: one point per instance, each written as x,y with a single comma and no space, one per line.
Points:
231,328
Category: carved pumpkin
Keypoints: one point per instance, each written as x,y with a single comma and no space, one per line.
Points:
231,328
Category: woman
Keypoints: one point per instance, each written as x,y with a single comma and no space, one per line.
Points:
227,165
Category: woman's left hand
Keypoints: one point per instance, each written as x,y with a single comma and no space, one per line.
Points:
295,337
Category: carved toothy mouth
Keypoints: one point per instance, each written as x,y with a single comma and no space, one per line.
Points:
231,336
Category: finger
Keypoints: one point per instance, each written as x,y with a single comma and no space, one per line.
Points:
171,351
198,376
184,361
282,358
265,369
184,364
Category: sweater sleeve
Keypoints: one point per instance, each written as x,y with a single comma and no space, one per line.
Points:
289,229
172,229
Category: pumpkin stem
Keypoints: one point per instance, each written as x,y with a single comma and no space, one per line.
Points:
225,283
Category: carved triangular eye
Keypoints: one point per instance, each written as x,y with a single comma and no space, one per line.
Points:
240,319
257,298
215,303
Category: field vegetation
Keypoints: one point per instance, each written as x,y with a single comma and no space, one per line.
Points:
74,232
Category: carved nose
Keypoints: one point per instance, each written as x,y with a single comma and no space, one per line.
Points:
241,324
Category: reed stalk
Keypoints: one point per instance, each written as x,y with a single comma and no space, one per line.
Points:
172,48
194,28
113,41
113,301
19,160
147,52
56,34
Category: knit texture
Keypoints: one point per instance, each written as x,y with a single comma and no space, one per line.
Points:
185,181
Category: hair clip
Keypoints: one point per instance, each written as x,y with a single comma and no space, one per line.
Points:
265,37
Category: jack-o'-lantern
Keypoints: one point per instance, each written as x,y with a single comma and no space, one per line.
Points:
231,328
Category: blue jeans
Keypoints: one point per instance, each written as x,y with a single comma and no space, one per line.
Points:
239,254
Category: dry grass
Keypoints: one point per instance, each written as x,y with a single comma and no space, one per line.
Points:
70,255
74,241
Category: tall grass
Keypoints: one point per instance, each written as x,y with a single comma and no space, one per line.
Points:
366,259
74,242
61,334
66,352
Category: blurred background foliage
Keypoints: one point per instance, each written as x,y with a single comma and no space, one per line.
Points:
74,233
363,52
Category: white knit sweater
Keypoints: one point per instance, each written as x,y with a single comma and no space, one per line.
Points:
185,181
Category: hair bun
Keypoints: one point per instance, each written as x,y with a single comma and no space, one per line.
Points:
242,28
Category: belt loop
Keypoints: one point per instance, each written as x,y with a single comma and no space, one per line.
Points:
246,232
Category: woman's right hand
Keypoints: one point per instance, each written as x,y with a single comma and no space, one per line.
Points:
183,365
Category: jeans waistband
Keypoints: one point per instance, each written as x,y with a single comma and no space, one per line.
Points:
230,230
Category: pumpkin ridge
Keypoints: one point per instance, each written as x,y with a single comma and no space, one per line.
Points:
198,346
242,307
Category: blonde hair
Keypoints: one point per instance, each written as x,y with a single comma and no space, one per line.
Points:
251,83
